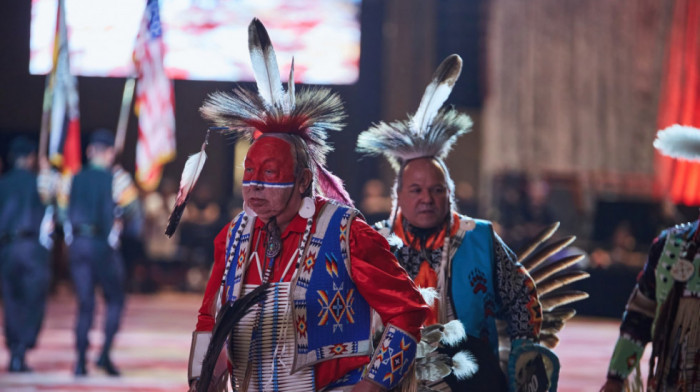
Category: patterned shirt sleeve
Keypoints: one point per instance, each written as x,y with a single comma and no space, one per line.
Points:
635,330
634,322
517,295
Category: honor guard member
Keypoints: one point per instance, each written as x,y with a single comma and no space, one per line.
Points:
99,197
24,262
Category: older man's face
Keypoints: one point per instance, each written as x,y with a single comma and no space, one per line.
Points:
424,196
268,178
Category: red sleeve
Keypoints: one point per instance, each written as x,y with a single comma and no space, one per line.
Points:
207,318
382,282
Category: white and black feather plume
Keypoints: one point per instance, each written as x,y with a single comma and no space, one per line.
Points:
190,175
436,93
264,61
430,132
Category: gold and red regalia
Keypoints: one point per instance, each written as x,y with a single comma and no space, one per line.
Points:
374,270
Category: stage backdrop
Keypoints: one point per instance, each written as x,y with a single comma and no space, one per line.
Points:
573,87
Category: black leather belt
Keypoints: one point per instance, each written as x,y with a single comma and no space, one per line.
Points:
84,230
6,238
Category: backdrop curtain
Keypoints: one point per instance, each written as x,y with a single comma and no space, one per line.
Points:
573,87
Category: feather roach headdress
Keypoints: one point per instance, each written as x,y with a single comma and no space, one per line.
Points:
679,141
308,114
430,132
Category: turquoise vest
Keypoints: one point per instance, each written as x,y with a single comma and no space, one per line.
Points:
331,318
472,288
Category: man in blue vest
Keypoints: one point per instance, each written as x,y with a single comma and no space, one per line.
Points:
473,276
24,263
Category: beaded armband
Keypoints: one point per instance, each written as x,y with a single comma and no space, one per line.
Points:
393,359
625,357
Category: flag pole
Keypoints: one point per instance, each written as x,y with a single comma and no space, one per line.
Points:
45,116
127,99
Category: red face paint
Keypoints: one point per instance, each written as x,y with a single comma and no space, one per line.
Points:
268,177
269,163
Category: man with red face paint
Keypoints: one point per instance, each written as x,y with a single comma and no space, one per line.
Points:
327,269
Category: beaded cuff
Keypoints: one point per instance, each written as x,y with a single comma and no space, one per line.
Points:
393,359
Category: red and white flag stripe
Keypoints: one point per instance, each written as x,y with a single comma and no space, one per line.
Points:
154,102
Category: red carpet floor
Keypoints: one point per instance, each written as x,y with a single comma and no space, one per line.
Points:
152,349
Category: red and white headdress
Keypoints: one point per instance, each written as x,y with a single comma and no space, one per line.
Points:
308,114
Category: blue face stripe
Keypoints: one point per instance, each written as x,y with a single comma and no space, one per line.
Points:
269,184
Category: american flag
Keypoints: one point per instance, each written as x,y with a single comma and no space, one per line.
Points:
154,102
61,111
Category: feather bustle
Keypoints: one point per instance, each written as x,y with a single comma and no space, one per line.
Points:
550,279
549,340
559,313
540,256
539,239
540,274
559,298
561,279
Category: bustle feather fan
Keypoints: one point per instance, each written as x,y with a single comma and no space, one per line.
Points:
429,132
308,113
553,276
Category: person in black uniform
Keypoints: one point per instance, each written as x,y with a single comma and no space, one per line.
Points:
98,196
24,263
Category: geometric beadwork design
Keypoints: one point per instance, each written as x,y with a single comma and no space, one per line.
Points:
393,358
301,326
337,308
